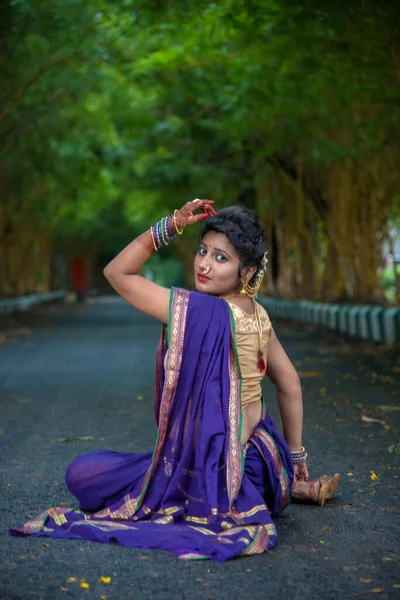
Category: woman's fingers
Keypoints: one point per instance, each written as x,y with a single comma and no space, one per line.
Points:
201,217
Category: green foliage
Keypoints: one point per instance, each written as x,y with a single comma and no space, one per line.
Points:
113,113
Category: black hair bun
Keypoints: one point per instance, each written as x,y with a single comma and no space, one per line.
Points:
244,231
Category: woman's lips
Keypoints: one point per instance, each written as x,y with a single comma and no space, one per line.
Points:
203,278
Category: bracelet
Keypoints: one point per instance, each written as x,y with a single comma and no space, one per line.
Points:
300,456
152,237
161,232
175,223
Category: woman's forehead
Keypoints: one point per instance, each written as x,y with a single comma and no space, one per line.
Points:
218,241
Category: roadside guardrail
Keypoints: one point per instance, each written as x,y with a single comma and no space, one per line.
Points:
12,305
369,322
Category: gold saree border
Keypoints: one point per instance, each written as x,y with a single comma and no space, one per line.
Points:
269,441
179,301
235,455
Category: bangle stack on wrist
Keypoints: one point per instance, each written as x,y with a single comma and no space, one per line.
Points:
300,456
161,231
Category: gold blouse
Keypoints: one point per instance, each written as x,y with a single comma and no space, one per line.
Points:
247,341
247,346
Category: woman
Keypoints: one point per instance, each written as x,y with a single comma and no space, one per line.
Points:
219,470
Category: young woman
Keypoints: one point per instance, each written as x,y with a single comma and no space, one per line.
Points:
219,471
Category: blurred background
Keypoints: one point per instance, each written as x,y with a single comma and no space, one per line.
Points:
112,114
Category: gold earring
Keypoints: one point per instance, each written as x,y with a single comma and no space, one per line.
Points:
206,270
252,291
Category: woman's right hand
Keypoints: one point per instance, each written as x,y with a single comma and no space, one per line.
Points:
186,215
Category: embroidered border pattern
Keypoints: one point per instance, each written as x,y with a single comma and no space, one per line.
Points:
234,468
178,312
268,440
179,306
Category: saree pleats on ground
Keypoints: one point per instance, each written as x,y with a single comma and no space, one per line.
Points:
199,494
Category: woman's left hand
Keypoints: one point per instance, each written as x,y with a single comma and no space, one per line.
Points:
186,215
301,472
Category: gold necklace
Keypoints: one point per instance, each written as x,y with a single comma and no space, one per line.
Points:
261,361
230,295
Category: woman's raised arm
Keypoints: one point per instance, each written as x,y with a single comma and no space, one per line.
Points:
123,271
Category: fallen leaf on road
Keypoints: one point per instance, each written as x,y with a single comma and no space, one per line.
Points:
350,507
63,589
349,568
374,476
350,474
365,580
394,448
72,580
385,558
84,585
366,419
105,579
326,528
390,509
396,586
378,590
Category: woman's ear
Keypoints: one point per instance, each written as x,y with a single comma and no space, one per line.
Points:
249,272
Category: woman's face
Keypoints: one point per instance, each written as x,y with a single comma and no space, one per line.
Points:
216,266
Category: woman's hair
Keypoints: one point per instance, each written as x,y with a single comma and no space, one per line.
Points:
244,231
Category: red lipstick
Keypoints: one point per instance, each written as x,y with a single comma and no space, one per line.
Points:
203,278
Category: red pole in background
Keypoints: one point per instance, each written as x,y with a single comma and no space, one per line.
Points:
78,277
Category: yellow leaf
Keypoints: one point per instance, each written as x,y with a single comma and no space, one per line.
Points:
349,568
396,586
374,476
84,585
72,580
350,474
105,579
386,558
103,597
378,590
365,580
63,589
387,427
140,397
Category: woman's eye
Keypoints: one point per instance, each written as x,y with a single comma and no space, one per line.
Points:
221,258
202,251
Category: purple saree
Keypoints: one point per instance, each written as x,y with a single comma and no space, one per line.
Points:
199,494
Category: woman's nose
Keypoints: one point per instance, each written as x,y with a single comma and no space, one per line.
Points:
205,267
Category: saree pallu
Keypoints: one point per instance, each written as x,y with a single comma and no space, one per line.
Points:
199,494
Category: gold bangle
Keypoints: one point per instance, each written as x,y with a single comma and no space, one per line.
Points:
175,223
162,235
152,237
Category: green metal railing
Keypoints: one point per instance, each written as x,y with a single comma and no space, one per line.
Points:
365,321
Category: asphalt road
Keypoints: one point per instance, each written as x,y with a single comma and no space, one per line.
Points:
88,372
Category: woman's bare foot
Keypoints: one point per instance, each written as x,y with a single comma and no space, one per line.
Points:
317,491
